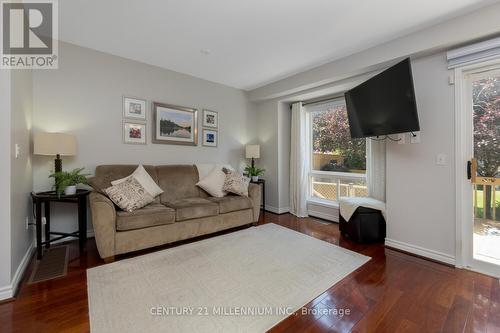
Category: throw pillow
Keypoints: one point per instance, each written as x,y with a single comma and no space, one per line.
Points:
143,177
129,195
236,183
213,183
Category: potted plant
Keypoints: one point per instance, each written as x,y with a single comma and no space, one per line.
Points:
254,172
66,181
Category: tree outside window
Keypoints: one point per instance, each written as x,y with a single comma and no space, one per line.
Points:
333,148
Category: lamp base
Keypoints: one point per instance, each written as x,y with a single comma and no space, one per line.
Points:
58,163
253,162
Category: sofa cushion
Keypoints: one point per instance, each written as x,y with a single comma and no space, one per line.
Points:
213,183
177,182
149,216
232,203
129,195
192,208
144,179
105,174
236,183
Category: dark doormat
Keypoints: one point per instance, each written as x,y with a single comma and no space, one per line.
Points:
54,264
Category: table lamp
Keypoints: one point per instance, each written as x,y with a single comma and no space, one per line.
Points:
54,144
252,151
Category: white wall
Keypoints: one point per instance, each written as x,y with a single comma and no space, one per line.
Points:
21,171
421,194
84,97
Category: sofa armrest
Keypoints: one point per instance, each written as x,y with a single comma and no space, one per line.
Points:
254,193
104,223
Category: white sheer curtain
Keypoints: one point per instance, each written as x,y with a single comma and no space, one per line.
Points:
299,160
375,168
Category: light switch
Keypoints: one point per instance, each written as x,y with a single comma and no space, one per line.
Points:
17,149
441,159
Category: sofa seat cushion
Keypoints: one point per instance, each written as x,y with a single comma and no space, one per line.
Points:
193,208
232,203
149,216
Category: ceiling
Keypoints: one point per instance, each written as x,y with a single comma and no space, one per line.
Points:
246,43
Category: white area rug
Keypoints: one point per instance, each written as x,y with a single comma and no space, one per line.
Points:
267,272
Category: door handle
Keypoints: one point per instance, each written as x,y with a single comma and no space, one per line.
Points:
469,169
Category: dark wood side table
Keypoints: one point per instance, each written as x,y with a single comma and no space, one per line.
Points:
262,183
45,198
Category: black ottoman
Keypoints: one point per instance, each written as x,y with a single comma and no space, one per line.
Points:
365,226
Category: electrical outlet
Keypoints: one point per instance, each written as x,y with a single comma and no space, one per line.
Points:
27,222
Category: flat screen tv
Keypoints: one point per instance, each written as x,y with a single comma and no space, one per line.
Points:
383,105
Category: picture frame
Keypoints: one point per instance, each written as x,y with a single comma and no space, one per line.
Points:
210,119
175,125
134,108
134,132
210,138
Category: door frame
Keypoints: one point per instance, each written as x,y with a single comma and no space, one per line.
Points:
463,153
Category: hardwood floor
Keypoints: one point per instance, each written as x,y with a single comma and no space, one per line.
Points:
393,292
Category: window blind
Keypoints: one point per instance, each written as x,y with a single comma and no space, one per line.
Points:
474,53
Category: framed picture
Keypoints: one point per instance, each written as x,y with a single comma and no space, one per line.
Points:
134,108
210,138
175,124
134,132
210,119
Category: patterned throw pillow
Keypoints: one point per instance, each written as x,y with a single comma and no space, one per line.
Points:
129,195
236,183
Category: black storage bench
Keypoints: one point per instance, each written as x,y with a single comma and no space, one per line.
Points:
365,226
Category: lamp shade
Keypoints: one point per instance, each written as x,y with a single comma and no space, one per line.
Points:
54,144
252,151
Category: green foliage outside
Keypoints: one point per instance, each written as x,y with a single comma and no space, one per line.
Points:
331,135
486,119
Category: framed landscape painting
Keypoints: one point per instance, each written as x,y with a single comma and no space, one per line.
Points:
134,108
175,124
134,132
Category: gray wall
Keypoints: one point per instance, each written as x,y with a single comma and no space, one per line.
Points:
266,134
84,97
21,171
421,194
5,113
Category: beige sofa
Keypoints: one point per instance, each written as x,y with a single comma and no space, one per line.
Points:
183,210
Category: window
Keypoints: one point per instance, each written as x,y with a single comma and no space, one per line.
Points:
338,163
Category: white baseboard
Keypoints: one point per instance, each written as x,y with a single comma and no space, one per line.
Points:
431,254
277,210
10,290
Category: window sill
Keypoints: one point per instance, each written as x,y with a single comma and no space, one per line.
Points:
323,203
